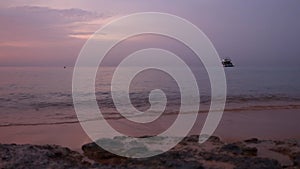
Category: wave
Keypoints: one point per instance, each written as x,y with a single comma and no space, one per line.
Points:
139,99
261,98
265,107
116,116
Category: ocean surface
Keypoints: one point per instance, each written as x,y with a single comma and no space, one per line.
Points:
43,95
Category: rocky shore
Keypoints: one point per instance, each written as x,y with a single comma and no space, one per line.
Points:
213,154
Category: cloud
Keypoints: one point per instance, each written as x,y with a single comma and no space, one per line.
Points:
43,34
251,33
41,24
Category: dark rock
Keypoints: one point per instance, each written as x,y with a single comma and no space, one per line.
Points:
170,159
292,142
249,151
232,148
187,155
31,157
296,159
252,140
181,164
278,142
281,150
239,149
243,162
96,153
192,138
214,139
256,163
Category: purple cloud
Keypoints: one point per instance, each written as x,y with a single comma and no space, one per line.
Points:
42,34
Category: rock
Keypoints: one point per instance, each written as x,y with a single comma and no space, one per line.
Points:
252,140
47,156
292,142
192,138
232,148
189,154
281,150
181,164
241,162
172,159
96,153
296,159
249,151
214,139
257,163
278,142
239,149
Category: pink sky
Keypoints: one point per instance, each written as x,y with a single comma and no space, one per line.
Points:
51,33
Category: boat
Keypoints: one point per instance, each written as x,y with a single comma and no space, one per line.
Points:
227,62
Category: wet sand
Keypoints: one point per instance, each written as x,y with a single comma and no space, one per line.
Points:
234,126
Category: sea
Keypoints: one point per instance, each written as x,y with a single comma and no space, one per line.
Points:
33,96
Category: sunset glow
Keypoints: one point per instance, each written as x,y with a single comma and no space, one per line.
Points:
31,28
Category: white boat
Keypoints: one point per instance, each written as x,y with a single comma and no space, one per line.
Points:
227,62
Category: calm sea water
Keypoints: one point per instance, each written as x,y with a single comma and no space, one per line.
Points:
42,95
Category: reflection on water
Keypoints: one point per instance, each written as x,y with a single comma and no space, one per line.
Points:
36,96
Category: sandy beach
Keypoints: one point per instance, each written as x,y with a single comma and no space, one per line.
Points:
234,126
260,139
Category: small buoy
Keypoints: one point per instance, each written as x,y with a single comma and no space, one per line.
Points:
65,67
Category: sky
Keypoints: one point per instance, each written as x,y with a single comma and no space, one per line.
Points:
52,33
